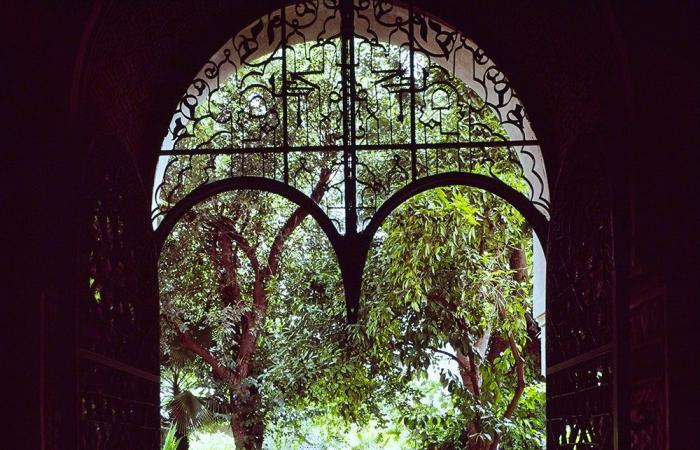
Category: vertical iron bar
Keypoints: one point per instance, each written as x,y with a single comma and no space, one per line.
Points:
285,135
348,87
411,53
353,251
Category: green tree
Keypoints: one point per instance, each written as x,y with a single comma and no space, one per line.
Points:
449,277
252,307
220,276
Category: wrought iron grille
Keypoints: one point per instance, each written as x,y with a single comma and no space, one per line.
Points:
581,328
117,354
383,95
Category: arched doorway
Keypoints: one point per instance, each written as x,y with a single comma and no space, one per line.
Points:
389,100
351,158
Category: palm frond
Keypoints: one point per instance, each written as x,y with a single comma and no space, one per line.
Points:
188,411
179,357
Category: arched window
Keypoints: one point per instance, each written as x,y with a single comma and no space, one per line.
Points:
387,99
371,101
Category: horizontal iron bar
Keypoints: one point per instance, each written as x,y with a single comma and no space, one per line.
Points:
580,359
325,148
579,391
114,364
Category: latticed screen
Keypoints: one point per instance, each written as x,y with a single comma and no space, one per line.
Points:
117,365
580,310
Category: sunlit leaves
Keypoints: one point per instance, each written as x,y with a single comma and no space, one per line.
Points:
438,279
441,281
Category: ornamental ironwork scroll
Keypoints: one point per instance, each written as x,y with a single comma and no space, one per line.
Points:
117,369
382,94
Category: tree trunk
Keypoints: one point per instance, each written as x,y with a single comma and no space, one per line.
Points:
247,423
221,243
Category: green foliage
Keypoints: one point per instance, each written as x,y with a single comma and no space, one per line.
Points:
435,283
439,290
527,429
171,442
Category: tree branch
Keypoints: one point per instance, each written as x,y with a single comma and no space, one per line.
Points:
518,264
224,258
273,261
223,372
461,364
189,343
248,250
469,369
225,228
251,320
472,372
520,387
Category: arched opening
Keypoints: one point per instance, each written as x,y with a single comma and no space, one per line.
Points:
348,111
449,311
210,266
252,317
585,76
393,96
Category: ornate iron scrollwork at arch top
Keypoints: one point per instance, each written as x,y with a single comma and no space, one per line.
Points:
382,94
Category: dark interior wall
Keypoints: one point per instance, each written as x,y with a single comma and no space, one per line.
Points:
142,58
661,44
39,46
617,71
